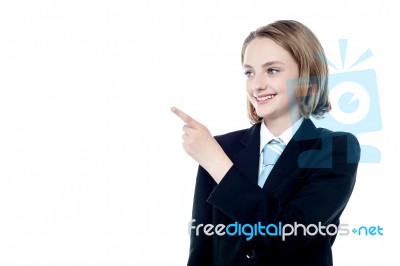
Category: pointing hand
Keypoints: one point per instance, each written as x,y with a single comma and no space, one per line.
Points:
202,146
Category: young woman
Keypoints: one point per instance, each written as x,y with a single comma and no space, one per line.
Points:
244,213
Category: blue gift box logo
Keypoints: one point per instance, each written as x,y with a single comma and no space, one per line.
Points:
355,103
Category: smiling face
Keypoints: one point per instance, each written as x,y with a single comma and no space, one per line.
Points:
269,69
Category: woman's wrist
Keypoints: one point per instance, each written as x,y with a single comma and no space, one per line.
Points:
218,166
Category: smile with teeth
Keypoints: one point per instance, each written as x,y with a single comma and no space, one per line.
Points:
264,98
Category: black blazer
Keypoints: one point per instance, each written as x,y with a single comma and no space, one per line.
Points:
310,183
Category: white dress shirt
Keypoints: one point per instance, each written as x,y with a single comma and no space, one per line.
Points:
266,136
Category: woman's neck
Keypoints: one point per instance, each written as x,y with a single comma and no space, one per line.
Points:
278,125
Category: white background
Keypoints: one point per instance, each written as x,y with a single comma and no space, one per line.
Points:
92,171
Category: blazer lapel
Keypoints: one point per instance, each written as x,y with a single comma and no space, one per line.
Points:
247,159
287,165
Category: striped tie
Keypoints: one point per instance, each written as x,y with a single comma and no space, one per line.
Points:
271,152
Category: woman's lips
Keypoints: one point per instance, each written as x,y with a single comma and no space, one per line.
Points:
264,98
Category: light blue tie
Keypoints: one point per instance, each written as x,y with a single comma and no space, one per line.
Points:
271,152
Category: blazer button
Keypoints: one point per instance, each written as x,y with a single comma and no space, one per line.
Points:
251,254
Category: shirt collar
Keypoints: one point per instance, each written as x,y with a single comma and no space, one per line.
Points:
266,135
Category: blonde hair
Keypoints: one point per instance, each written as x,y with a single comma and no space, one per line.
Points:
305,48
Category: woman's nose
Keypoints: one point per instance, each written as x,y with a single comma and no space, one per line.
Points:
259,82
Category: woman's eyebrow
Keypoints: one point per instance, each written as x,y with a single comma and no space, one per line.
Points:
266,64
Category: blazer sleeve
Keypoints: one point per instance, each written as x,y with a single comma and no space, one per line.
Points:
319,196
201,247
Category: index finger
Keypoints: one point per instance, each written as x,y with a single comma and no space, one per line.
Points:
185,117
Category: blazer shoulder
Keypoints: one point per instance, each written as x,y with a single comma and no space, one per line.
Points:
232,139
326,133
343,143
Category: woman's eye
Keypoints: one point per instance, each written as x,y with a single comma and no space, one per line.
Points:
248,74
272,71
